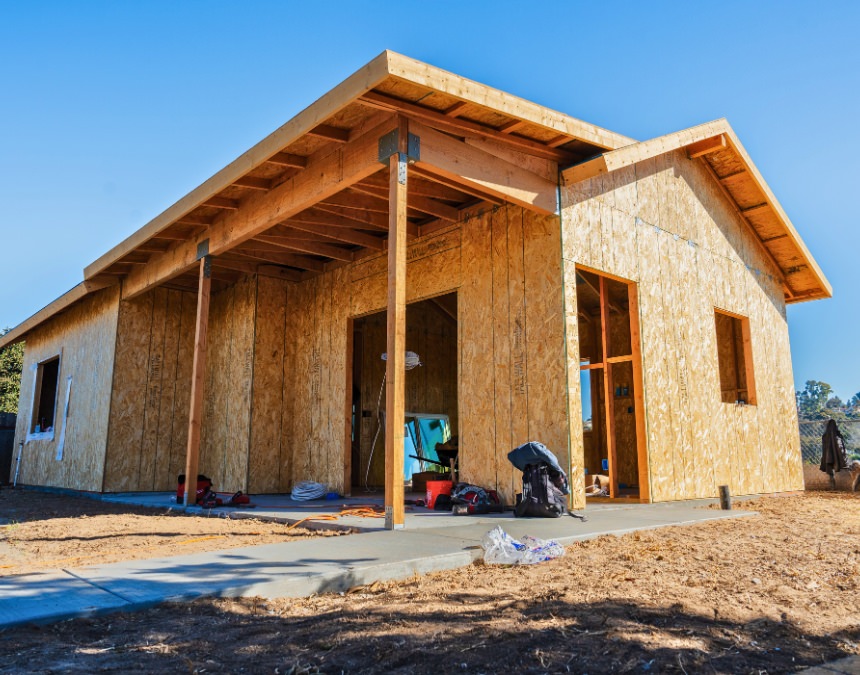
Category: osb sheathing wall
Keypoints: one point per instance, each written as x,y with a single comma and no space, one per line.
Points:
151,392
152,389
84,337
665,224
505,266
226,430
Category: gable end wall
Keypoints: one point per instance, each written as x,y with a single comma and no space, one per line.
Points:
665,224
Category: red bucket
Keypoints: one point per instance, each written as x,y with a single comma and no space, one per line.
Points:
436,488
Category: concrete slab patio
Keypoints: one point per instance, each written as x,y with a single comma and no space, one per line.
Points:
433,543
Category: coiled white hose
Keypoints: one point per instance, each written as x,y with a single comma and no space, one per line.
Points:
306,490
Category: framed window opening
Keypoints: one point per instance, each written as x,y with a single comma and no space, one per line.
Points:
43,413
734,358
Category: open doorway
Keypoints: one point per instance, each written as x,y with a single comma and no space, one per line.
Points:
431,422
615,456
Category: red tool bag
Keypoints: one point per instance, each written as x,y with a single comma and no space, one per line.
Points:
204,485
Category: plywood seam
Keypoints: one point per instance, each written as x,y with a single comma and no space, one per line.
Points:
251,399
145,395
678,237
170,446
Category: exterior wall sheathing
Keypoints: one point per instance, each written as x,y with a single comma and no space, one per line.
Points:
505,266
666,225
84,338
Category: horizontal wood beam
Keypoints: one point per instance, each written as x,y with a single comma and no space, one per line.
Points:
188,219
358,200
262,269
369,220
325,175
298,245
288,159
276,272
510,127
330,133
707,146
222,203
559,140
441,121
254,183
341,234
755,210
456,109
638,152
422,187
468,165
416,202
469,190
276,258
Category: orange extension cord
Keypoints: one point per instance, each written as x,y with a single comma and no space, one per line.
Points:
359,511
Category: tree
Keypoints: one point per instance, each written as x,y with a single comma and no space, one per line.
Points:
811,401
854,401
11,364
834,402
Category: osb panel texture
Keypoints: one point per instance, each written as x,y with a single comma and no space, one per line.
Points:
225,435
151,392
431,388
505,266
84,337
666,225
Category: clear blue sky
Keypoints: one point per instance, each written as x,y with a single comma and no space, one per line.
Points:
111,111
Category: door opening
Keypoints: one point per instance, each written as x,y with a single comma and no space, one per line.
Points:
615,456
431,395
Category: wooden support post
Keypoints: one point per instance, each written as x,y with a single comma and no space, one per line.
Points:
395,367
351,417
608,393
198,378
638,395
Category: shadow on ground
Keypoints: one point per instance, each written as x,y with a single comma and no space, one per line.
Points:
365,633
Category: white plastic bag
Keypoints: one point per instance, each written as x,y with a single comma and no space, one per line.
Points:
500,548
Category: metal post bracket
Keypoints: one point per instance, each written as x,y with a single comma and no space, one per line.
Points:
390,142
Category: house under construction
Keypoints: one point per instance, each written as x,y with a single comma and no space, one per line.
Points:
623,302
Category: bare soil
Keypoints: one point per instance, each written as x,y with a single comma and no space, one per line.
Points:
40,531
766,594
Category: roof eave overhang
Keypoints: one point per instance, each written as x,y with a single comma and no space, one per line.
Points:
386,66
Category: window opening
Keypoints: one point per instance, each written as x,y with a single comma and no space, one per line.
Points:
734,356
45,401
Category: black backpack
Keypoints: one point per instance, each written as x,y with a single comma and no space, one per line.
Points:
541,498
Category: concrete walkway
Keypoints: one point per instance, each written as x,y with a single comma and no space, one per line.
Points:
302,568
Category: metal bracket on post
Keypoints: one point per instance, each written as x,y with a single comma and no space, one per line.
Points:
202,249
390,142
389,519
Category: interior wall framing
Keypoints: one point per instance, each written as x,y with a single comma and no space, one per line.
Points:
666,225
431,388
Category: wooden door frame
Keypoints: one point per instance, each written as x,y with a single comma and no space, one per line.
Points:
605,365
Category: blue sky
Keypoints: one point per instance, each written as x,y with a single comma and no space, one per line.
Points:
111,111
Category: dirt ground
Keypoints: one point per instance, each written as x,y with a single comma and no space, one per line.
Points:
41,531
766,594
